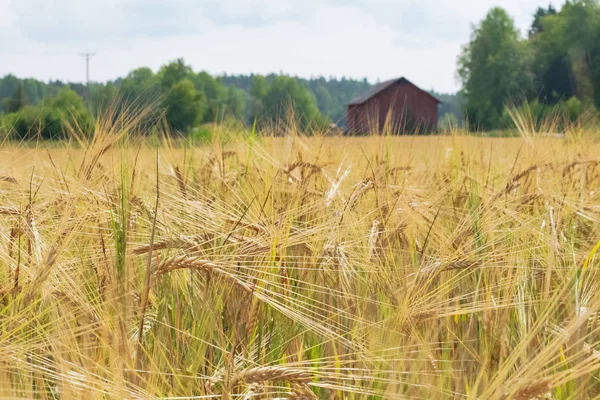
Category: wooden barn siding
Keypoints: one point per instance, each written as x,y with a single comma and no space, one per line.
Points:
398,99
355,115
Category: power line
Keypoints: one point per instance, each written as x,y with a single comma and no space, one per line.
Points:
87,66
87,73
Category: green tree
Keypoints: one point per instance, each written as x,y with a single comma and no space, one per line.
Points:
494,69
8,87
324,100
35,91
17,101
57,119
140,78
567,52
537,25
286,95
258,92
553,77
28,123
184,106
580,31
214,92
105,97
174,72
235,103
140,85
65,111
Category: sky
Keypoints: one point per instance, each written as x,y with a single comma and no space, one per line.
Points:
376,39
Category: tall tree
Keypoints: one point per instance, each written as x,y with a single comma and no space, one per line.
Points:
537,25
184,105
554,80
258,91
214,92
324,99
174,72
17,101
8,86
105,97
494,69
66,112
580,31
234,104
287,98
140,85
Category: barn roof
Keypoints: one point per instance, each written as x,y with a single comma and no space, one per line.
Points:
380,87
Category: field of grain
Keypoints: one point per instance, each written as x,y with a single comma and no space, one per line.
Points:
302,267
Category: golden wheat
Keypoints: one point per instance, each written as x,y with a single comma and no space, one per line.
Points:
301,267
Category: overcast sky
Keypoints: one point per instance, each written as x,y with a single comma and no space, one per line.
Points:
377,39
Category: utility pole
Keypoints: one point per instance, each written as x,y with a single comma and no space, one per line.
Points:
87,74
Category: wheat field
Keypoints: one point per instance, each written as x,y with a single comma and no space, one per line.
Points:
300,267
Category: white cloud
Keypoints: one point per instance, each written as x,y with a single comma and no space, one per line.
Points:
419,39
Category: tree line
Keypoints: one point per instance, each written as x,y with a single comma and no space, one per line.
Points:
188,99
554,70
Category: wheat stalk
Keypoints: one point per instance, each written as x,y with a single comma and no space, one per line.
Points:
183,242
263,374
301,391
185,262
180,181
534,390
9,211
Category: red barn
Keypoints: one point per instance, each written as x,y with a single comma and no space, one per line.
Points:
398,103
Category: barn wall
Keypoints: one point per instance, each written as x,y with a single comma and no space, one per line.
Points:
408,108
422,108
355,115
363,118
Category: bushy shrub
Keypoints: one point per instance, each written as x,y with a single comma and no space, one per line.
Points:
52,120
538,116
448,122
574,108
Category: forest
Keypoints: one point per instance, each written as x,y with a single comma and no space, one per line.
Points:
553,71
